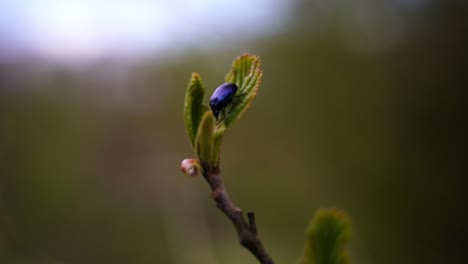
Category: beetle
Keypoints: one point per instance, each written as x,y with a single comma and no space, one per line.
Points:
221,97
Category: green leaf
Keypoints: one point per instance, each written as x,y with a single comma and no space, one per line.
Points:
206,133
247,75
327,236
204,142
240,69
218,140
193,108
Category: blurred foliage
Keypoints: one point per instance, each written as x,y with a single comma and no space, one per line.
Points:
371,121
327,235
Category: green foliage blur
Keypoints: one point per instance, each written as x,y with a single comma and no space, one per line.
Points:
371,122
327,237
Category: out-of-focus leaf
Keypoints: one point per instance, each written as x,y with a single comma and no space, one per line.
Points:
326,239
193,108
204,142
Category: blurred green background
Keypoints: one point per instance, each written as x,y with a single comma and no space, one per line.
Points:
362,108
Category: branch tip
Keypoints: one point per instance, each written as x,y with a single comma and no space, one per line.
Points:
252,224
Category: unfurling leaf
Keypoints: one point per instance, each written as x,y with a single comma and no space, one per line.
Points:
247,75
205,128
194,108
326,238
240,69
204,142
218,140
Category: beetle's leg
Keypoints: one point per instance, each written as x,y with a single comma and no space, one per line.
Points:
235,101
238,98
222,114
225,111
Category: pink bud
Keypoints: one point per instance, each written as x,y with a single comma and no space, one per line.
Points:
190,167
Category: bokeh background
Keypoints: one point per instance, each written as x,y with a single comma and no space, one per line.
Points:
362,107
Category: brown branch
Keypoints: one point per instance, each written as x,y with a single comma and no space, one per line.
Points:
246,231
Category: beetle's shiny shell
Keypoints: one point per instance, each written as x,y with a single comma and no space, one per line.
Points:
221,97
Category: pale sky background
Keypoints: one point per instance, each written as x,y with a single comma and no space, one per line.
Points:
86,29
72,29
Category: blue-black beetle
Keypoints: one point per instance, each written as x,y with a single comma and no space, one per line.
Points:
221,97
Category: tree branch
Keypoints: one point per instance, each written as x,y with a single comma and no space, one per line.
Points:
246,231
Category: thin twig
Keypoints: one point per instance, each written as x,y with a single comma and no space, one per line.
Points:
252,224
246,231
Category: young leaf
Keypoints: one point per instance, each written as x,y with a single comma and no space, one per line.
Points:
248,89
218,139
327,236
240,69
193,108
204,141
246,74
